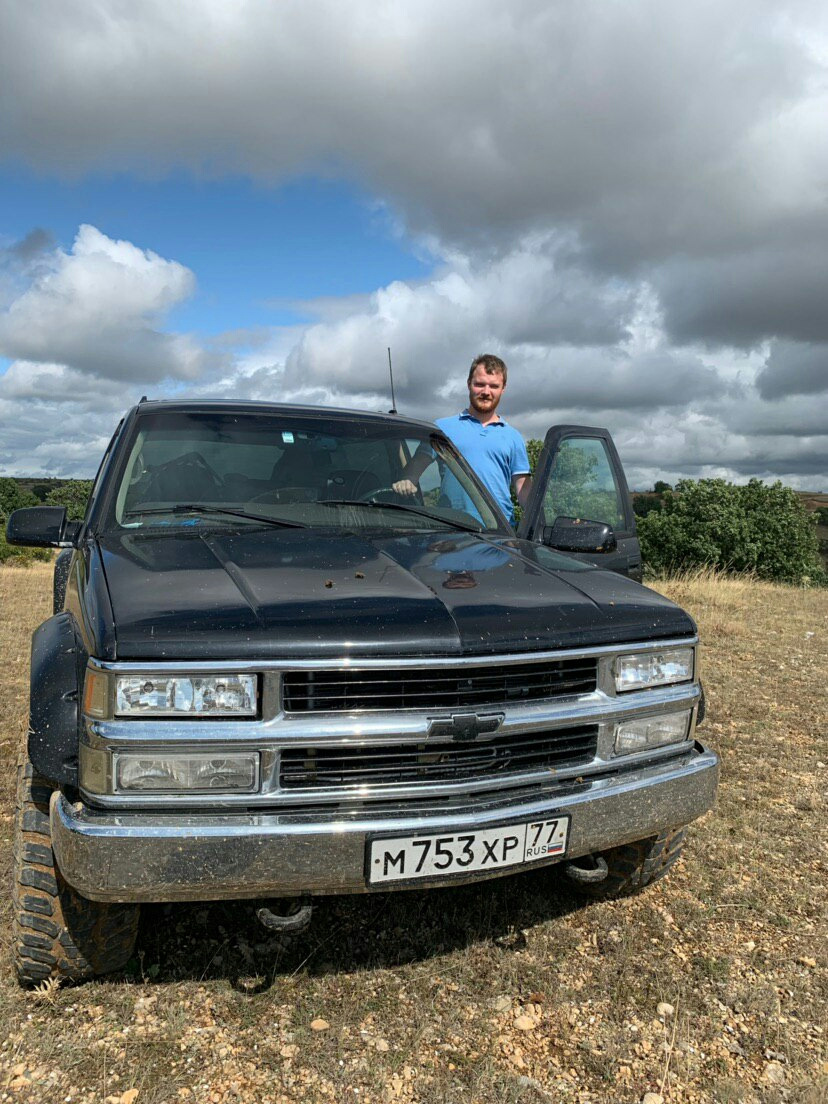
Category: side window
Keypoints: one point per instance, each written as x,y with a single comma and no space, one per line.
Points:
582,484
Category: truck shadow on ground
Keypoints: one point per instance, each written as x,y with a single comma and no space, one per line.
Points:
224,940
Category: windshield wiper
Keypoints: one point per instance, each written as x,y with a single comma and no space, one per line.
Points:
449,522
199,508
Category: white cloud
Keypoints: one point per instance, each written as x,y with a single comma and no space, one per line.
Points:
97,308
626,200
673,410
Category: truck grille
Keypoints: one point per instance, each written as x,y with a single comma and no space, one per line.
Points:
310,768
435,687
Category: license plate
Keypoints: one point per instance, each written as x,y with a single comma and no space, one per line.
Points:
403,858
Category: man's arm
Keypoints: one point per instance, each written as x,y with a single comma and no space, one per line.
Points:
412,472
523,487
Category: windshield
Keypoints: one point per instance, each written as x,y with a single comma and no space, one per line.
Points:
208,468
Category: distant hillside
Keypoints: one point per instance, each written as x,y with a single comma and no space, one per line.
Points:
39,485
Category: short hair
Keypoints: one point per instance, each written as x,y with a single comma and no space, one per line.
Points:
493,365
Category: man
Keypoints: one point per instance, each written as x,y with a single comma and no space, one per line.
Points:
493,449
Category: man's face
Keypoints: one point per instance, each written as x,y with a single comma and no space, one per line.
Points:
485,390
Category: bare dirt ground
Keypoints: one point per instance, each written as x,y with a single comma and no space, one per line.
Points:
711,986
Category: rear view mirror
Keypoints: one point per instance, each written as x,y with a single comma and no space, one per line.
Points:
576,535
41,527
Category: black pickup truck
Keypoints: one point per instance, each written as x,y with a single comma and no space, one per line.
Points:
272,675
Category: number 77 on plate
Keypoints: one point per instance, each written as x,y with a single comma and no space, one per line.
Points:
442,855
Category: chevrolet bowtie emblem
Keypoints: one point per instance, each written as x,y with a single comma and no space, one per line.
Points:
465,726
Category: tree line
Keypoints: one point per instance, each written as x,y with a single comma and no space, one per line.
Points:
760,528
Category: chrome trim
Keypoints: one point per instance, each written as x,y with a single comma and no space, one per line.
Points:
217,855
373,726
369,663
367,730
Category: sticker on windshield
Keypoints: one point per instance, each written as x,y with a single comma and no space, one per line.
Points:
287,437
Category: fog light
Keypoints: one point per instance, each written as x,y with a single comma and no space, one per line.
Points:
649,732
199,773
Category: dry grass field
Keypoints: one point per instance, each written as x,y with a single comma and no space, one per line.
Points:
711,986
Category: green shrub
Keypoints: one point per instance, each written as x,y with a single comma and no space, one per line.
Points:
73,494
644,504
18,557
759,527
13,498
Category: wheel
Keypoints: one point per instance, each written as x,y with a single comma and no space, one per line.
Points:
633,866
57,933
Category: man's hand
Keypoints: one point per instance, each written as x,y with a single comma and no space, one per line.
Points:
404,487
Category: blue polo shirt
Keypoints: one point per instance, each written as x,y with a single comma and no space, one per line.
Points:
495,452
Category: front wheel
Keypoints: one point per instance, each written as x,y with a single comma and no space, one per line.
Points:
58,933
633,866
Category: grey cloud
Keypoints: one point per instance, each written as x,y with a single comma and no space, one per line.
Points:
792,416
566,378
776,288
35,243
643,123
682,144
793,368
43,436
54,384
531,297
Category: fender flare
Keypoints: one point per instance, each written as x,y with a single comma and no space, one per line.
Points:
58,664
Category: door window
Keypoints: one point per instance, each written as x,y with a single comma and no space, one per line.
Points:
582,484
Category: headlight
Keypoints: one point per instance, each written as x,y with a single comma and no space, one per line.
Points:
151,695
156,772
648,669
650,732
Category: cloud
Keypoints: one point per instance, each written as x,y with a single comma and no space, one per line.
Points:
625,200
596,355
96,309
35,243
532,298
682,144
776,288
472,117
794,368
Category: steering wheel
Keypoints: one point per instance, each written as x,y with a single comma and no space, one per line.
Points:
180,466
368,496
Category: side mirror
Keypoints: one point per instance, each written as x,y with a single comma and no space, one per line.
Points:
576,535
42,527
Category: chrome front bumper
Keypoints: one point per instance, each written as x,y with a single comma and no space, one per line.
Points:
154,856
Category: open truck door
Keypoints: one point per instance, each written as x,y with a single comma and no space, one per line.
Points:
580,503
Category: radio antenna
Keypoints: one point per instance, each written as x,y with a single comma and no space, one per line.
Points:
393,409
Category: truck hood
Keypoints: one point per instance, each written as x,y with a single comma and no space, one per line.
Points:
277,593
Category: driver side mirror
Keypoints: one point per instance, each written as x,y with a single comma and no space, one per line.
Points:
576,535
42,527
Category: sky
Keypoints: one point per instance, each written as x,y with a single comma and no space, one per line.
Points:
627,200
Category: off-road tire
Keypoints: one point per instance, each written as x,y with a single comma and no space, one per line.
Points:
58,933
633,866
